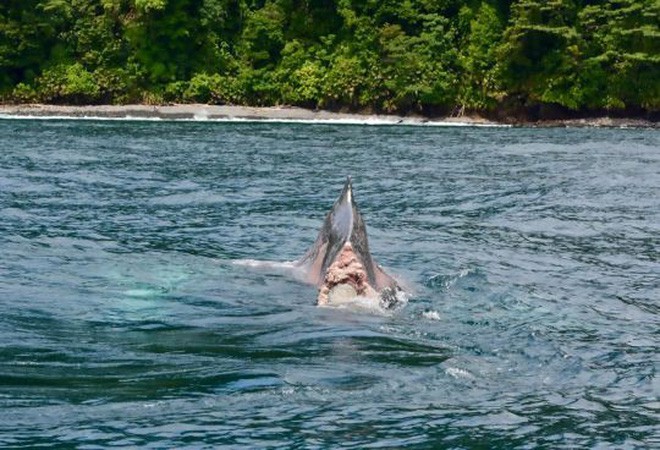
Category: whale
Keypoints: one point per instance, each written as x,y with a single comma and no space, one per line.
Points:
340,264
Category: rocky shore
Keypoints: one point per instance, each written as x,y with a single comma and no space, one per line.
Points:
285,114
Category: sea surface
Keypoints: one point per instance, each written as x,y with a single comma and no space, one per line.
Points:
532,258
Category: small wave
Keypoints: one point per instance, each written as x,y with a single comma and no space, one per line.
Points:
459,373
431,315
446,281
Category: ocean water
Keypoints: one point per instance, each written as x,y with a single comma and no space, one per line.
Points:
532,257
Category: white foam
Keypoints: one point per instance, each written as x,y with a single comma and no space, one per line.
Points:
459,373
203,117
256,263
127,118
432,315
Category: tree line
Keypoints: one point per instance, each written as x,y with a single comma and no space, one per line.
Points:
429,56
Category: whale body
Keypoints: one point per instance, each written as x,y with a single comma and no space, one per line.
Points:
339,261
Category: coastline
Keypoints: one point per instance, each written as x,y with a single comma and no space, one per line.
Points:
203,112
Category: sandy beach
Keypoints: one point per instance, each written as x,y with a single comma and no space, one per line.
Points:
284,114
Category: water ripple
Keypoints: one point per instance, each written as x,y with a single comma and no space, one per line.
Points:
532,256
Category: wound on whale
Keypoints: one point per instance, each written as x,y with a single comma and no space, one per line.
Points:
339,261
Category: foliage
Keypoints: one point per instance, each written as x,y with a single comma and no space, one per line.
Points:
482,29
383,55
602,55
68,83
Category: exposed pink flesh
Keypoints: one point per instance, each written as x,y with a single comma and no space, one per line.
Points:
346,269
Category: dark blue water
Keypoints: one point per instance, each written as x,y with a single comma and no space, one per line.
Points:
533,256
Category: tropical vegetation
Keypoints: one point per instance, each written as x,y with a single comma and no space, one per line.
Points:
428,56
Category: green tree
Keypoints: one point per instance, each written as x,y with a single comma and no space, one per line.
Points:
479,88
622,54
539,56
27,39
301,74
391,55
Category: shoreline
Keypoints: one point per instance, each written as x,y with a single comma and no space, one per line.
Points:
202,112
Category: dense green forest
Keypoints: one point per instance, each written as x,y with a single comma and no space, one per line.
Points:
429,56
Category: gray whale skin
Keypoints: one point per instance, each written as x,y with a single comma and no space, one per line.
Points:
339,261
